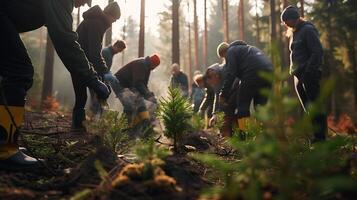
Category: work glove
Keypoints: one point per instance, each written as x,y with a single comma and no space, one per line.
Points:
110,78
99,88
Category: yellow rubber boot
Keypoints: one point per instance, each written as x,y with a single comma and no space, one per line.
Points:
11,158
8,138
243,123
135,121
144,115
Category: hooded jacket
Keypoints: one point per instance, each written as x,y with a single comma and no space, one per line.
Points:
306,50
136,75
90,36
28,15
244,62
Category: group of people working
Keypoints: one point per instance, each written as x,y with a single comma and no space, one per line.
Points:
230,87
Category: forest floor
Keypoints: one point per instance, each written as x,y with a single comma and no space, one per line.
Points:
70,157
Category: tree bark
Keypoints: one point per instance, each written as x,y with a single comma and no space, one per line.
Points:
273,35
257,23
189,48
175,32
225,20
195,27
241,19
302,3
47,84
205,35
142,30
108,34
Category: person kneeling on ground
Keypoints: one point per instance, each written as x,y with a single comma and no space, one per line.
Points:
133,89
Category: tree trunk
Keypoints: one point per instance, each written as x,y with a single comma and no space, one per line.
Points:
257,23
108,34
142,30
225,20
241,19
189,48
195,27
333,102
352,58
273,35
205,36
175,32
302,2
47,84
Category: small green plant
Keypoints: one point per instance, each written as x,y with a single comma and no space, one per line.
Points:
197,122
219,121
175,111
147,173
279,162
112,127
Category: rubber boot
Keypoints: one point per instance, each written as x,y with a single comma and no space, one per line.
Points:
243,127
141,124
11,158
78,117
145,124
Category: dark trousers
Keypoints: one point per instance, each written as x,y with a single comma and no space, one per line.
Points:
230,119
248,91
80,91
15,64
16,71
308,90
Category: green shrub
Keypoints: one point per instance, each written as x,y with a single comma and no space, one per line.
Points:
175,111
279,160
112,128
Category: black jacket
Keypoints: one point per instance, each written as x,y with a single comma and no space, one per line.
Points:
90,36
306,50
136,75
243,62
28,15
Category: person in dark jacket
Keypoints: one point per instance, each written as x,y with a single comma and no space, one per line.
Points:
305,64
110,51
179,79
215,76
205,107
108,54
16,70
244,62
197,91
133,88
90,36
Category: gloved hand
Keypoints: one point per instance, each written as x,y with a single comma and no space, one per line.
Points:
99,88
110,78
